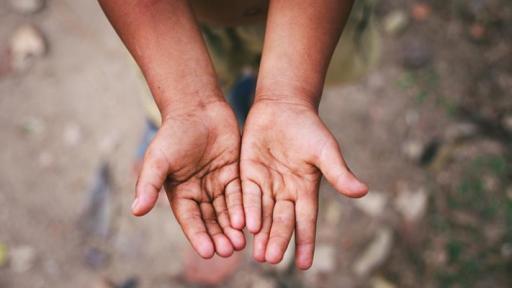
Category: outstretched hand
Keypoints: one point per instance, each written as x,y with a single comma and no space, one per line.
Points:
195,155
285,150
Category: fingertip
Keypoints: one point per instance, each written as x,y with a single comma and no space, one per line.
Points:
223,247
253,225
237,221
350,186
303,265
239,245
259,248
258,256
304,257
237,238
357,189
144,202
205,249
274,254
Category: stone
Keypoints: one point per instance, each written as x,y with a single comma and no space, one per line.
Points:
413,149
506,250
416,54
26,44
102,283
96,258
373,204
477,31
375,253
421,11
507,122
325,259
412,205
27,6
22,258
509,193
395,22
381,282
459,130
333,213
4,256
411,117
258,281
72,134
33,126
109,143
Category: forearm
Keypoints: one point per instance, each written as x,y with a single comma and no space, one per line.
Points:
165,41
299,42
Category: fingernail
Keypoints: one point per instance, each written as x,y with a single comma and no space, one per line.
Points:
134,204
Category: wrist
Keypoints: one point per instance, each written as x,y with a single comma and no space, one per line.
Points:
288,94
191,102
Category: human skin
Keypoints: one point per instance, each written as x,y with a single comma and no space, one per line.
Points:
197,152
286,147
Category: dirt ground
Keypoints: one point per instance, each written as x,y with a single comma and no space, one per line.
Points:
429,128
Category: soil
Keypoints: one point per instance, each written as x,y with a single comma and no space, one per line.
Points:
433,118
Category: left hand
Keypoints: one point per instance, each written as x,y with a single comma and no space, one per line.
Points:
285,150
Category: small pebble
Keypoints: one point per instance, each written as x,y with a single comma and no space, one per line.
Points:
26,44
381,282
413,149
507,122
95,258
3,255
421,11
262,282
72,134
395,22
333,213
412,204
325,259
477,31
373,204
22,258
416,54
33,126
375,254
27,6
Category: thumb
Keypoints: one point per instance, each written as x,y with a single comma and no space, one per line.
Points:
151,179
335,170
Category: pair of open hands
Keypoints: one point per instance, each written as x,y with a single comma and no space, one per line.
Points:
218,182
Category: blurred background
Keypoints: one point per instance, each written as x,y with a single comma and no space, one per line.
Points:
429,127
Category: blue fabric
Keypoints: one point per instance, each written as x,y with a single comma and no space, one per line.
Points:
241,96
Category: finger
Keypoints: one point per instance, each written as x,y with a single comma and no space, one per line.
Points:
252,205
154,171
261,238
306,210
283,222
335,170
235,236
223,246
188,214
233,193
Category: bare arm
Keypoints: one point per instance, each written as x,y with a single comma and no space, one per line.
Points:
286,147
299,41
196,150
165,40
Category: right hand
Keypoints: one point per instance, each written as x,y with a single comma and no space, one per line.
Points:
195,155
